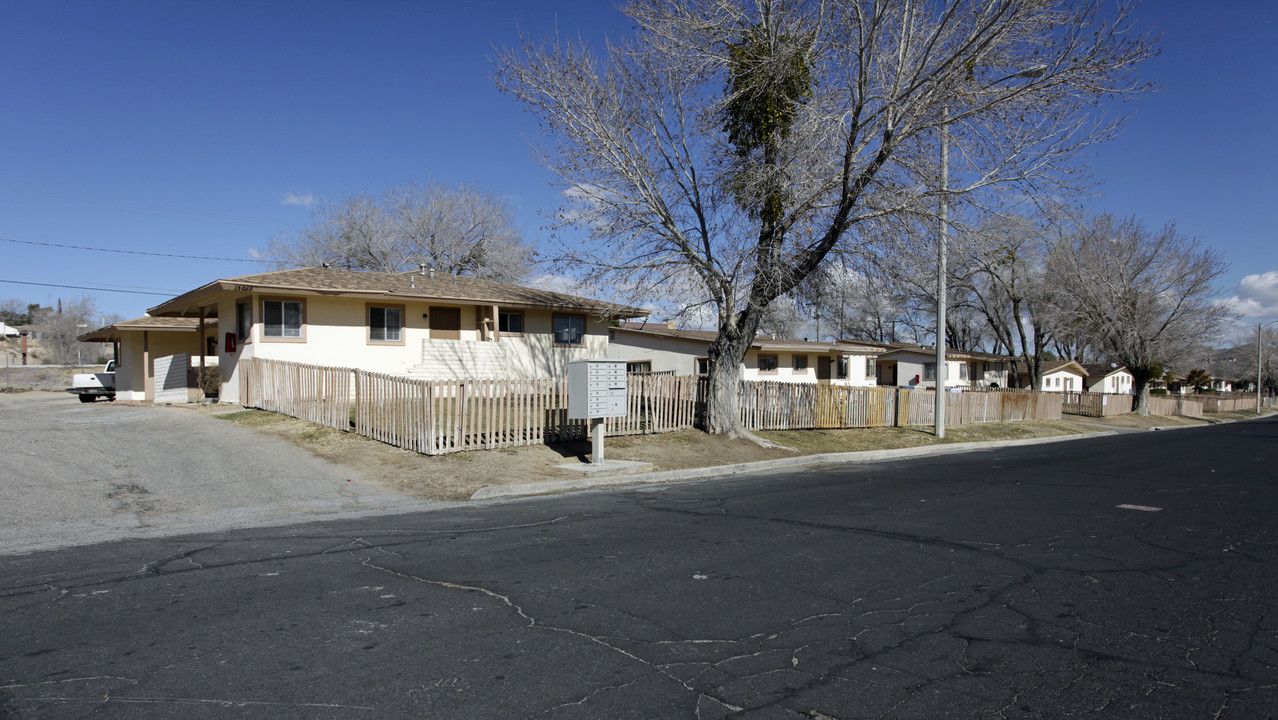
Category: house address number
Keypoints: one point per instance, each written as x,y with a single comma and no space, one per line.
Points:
243,288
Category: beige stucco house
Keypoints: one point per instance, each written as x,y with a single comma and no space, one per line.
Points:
656,347
138,343
421,324
906,365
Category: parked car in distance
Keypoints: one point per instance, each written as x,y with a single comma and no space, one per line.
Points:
91,386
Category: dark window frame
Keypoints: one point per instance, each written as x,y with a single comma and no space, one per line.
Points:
371,312
563,340
283,324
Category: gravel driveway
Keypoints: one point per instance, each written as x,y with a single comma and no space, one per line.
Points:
74,473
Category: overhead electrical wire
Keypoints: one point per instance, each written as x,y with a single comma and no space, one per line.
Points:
85,287
128,252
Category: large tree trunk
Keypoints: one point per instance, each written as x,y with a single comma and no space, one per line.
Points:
1141,390
727,354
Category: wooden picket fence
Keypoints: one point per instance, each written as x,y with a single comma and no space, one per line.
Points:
795,406
314,393
1214,403
1094,404
434,417
1174,405
918,407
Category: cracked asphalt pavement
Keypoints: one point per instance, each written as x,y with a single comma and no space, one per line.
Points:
1123,577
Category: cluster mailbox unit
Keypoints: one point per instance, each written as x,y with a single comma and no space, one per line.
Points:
596,390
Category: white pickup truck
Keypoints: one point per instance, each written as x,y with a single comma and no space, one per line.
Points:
91,386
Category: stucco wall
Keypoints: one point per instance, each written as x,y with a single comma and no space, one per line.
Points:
1061,381
1116,383
679,356
335,333
667,354
909,365
134,365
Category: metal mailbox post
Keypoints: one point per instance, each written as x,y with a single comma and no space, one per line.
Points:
596,390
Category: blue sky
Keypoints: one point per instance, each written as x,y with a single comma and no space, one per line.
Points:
201,128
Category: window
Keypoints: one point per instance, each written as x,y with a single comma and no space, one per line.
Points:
870,371
703,366
385,324
639,367
841,367
570,330
962,371
767,363
510,323
998,367
800,364
243,319
282,319
929,371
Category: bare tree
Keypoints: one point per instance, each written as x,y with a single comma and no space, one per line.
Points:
782,319
59,327
734,143
999,273
462,230
1144,298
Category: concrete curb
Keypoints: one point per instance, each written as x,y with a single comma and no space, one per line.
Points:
494,492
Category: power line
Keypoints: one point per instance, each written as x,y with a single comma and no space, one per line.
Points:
83,287
174,291
127,252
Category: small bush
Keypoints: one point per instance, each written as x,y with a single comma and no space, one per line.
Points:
209,380
1158,391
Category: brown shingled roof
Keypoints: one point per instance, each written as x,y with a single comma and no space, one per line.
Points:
112,331
407,286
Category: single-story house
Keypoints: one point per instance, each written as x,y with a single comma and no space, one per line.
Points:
422,324
659,348
1109,378
1223,385
1058,376
141,341
987,369
914,366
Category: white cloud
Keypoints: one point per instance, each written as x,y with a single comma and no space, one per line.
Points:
557,283
1257,295
299,200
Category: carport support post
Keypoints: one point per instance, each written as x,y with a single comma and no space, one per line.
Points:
596,441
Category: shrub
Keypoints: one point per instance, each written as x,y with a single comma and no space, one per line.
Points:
209,380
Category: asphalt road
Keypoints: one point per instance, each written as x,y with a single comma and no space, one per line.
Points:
74,473
1118,577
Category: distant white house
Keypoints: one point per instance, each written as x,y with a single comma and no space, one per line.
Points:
8,331
1058,376
657,347
1113,379
1222,385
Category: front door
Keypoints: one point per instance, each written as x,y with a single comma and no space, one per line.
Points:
445,323
823,370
